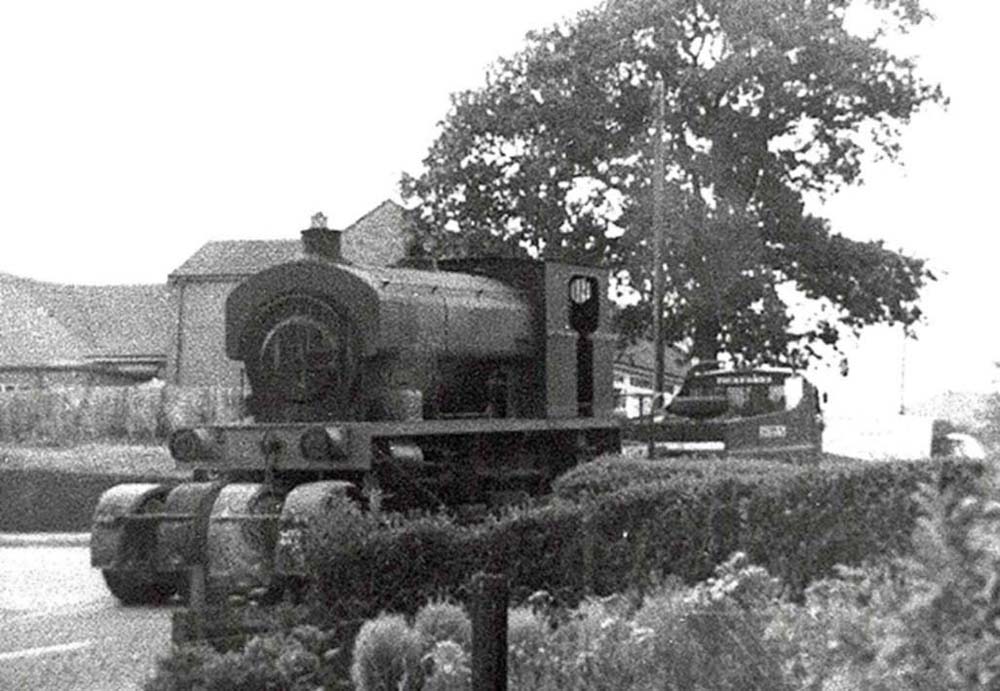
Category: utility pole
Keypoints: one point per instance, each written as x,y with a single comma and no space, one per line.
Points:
902,375
659,222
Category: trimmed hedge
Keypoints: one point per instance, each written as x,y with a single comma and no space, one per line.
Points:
611,473
34,501
798,522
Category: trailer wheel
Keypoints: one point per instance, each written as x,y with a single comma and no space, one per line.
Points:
135,581
137,588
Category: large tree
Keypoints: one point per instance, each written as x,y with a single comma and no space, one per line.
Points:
767,102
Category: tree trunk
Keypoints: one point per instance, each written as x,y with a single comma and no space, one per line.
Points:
706,335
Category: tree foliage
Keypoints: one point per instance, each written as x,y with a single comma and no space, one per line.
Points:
768,101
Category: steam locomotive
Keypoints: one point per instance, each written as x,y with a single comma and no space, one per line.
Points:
469,383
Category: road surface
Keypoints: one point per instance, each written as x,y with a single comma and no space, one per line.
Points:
60,629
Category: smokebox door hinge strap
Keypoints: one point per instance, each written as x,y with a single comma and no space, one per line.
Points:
271,447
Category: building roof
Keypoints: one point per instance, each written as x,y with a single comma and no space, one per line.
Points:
238,257
379,238
49,323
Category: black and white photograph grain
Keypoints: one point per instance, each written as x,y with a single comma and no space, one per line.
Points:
599,345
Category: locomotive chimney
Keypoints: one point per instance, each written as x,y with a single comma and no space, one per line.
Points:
320,241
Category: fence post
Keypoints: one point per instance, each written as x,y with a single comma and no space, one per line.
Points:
587,556
489,632
188,625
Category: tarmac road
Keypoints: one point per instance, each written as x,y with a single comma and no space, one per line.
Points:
61,629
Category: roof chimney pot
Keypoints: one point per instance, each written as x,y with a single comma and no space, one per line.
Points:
320,241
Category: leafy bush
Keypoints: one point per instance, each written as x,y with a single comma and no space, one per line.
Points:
922,620
449,668
733,631
387,655
945,634
926,620
527,638
439,621
708,637
833,636
292,661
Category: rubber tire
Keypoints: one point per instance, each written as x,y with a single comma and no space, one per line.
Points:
135,588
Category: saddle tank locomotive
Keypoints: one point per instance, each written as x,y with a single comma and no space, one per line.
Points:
472,382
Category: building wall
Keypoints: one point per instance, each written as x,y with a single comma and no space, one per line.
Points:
198,353
634,389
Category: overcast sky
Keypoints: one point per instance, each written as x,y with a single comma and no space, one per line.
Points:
131,133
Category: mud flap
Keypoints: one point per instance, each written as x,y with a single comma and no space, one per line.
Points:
242,532
184,529
110,543
316,505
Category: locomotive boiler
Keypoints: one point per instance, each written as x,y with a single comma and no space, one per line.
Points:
469,383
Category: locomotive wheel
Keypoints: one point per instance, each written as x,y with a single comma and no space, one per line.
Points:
137,588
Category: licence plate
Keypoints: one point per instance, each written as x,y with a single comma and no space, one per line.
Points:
773,432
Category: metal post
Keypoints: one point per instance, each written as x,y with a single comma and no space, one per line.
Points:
190,624
197,599
489,632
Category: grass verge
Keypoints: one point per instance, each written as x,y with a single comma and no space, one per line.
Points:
95,458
